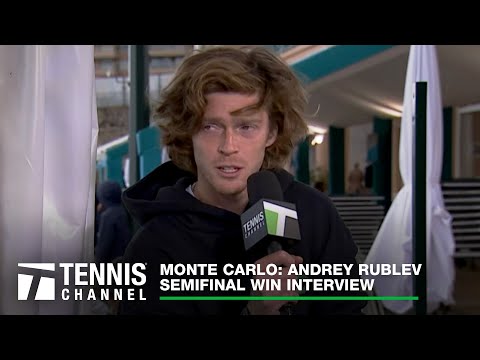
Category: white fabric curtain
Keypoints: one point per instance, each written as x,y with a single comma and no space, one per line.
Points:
48,142
393,243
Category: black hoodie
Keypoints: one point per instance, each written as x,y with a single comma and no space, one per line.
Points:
176,228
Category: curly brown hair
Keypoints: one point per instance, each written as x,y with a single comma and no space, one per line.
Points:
247,70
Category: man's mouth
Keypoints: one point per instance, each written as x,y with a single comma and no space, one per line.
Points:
229,169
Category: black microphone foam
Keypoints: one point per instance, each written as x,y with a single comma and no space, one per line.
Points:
263,185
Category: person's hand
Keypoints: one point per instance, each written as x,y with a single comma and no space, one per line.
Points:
272,307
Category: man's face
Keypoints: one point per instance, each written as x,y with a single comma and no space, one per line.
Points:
230,145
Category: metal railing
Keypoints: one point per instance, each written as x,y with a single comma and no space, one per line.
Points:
462,201
363,216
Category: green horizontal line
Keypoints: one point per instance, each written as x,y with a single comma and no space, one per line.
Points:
288,298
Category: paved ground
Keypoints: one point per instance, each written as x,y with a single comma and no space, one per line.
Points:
467,289
466,292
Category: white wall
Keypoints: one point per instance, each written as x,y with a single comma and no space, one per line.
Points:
319,160
358,146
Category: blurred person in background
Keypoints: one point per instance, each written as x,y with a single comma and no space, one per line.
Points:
114,229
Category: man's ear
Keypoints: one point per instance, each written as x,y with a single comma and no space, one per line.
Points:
272,136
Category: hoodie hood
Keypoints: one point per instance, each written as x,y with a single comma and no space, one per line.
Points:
163,191
109,193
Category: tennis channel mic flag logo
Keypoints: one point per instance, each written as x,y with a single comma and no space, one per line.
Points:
269,217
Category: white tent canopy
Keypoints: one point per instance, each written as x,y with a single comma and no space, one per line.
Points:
393,244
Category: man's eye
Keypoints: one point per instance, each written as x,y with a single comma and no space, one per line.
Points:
247,127
208,127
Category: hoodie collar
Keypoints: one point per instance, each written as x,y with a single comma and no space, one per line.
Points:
163,190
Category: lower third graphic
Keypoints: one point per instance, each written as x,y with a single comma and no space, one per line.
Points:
45,286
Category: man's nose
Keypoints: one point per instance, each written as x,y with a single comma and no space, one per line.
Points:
228,146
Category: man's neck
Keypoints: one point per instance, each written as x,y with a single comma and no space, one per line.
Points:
234,203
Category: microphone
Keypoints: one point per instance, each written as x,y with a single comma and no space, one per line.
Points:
269,224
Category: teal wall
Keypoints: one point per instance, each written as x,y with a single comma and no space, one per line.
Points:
303,163
114,162
382,167
336,173
148,149
149,156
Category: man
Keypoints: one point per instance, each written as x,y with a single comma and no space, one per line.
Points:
355,180
114,231
227,114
